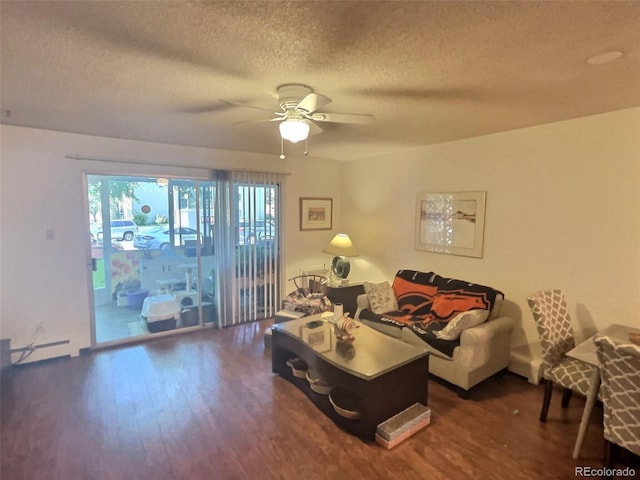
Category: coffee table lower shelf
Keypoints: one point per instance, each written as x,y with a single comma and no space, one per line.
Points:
381,397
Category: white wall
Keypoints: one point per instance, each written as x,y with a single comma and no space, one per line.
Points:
563,204
45,282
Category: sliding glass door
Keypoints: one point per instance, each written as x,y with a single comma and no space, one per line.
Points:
171,254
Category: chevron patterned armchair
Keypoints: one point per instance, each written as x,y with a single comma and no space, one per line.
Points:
620,390
553,322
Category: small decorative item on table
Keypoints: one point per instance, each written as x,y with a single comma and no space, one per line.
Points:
343,327
346,349
317,335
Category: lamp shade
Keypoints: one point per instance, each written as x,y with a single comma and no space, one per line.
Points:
294,130
342,246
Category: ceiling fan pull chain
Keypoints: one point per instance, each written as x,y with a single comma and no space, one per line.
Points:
306,146
282,148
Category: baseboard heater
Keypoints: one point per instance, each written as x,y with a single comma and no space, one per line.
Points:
40,352
37,347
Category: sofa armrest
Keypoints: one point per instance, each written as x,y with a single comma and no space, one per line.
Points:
483,351
486,331
363,304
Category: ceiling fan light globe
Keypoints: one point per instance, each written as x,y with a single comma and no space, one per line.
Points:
294,131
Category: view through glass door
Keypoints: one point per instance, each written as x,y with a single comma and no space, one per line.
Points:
152,255
256,244
171,254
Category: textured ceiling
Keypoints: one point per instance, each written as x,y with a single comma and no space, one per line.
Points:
429,72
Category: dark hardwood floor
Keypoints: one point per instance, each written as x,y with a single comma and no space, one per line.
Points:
206,406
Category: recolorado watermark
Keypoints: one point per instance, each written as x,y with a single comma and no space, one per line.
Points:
605,472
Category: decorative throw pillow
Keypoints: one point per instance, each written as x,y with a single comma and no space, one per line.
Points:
381,297
460,322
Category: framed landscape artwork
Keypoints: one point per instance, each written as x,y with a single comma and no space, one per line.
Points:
316,213
450,223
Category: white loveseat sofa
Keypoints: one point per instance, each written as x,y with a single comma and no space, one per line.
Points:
479,352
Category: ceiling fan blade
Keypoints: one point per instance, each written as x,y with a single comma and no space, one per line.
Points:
260,120
210,107
246,105
420,93
314,129
312,102
359,118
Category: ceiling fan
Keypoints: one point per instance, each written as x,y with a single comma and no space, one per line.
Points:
299,113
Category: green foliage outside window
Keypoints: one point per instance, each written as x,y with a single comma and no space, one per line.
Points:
140,219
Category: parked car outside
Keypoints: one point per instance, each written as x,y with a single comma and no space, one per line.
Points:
120,230
251,232
159,238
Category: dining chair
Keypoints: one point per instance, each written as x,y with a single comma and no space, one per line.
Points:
620,389
550,312
312,283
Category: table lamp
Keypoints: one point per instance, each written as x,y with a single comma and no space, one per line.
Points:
342,247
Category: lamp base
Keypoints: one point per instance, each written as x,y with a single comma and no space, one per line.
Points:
340,266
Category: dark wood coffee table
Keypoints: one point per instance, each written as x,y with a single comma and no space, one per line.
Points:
383,373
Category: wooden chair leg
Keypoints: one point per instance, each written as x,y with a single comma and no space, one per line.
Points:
566,397
548,390
623,455
609,454
608,461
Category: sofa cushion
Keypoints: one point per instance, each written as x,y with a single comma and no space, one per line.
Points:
460,322
381,297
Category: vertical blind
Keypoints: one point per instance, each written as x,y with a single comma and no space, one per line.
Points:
247,238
